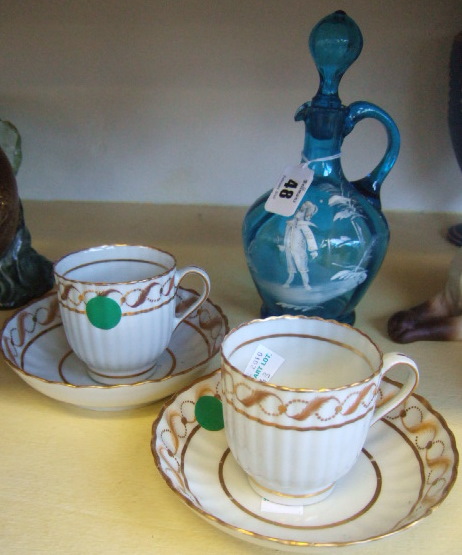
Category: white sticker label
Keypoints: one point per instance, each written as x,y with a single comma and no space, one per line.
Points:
270,507
263,364
290,190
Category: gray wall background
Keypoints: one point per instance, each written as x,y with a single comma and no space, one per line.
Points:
192,101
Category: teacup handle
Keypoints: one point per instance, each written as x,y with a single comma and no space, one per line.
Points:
180,274
389,361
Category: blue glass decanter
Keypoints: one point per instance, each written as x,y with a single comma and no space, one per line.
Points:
320,259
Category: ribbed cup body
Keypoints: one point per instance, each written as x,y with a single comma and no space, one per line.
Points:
125,351
118,308
292,455
296,442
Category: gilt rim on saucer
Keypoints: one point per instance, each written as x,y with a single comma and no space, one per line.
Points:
51,294
210,382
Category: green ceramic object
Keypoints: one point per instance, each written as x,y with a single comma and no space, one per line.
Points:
24,274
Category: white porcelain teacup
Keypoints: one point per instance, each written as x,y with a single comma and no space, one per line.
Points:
297,434
118,307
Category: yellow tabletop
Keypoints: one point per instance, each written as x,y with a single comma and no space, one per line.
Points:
76,481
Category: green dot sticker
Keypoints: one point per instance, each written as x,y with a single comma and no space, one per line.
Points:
103,312
209,413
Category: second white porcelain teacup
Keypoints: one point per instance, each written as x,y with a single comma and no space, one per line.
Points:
299,432
118,307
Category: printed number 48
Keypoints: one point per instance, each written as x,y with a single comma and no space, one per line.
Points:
286,192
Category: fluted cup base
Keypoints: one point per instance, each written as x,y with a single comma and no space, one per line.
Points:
129,377
308,498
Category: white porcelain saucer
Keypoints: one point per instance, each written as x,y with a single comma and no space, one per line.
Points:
406,469
34,345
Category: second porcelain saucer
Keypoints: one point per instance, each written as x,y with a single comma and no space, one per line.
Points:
405,470
35,347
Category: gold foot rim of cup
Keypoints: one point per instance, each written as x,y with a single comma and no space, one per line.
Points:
111,379
289,499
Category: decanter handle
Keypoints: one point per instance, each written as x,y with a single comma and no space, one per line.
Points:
370,185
